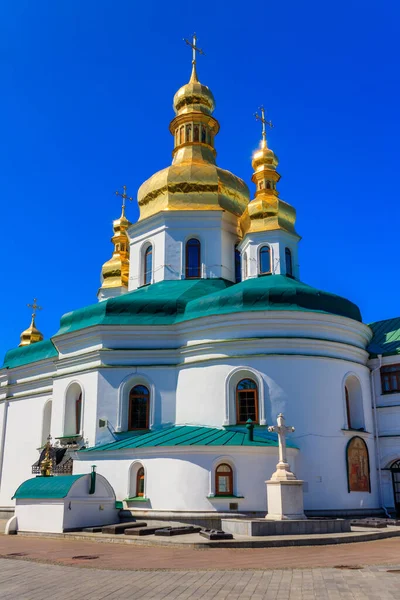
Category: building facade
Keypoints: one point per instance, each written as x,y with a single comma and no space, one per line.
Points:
202,335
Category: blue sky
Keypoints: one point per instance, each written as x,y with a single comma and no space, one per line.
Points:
86,101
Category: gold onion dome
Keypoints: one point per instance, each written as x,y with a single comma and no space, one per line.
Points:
31,335
115,272
193,181
267,211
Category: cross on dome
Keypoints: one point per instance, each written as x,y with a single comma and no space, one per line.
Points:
194,48
264,123
34,307
124,197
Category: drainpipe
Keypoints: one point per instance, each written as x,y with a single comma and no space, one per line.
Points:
250,430
92,488
377,443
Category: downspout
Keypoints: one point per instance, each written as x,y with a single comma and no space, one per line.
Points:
377,442
92,488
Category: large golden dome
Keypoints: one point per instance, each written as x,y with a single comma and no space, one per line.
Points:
193,181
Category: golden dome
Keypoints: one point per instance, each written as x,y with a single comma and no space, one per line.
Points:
115,272
31,335
267,211
193,181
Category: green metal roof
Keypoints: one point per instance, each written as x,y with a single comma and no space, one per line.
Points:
386,339
191,435
24,355
169,302
47,487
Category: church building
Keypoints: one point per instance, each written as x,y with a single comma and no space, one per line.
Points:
202,334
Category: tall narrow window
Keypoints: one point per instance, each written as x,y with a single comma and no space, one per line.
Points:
246,401
181,133
148,265
139,401
223,480
196,133
203,135
78,413
238,265
193,259
188,132
348,412
265,260
288,262
140,483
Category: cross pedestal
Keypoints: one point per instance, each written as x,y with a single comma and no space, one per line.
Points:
284,490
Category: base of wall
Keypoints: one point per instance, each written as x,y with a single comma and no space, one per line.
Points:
340,513
209,520
6,512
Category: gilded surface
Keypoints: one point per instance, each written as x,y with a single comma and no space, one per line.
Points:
193,181
32,334
115,272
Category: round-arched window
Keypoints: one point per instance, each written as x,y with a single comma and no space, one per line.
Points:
139,404
224,480
246,401
148,265
265,260
193,259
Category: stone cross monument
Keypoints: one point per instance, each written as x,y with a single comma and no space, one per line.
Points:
284,490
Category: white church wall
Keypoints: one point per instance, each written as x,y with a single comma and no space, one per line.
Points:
40,515
278,241
311,399
183,479
168,233
22,442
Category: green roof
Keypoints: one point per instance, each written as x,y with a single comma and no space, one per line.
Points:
386,339
23,355
169,302
47,487
191,435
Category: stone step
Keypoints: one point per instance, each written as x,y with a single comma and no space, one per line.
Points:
119,528
141,530
168,531
215,534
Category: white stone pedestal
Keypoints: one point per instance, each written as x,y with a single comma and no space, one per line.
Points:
285,500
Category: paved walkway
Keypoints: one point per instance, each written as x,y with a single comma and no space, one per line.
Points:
32,581
128,557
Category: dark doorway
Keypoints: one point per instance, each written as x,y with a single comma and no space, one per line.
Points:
395,469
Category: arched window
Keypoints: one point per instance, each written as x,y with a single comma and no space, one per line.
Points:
181,132
238,265
196,133
288,262
140,483
78,413
354,404
193,259
188,132
268,186
148,265
246,401
245,265
139,401
358,466
265,260
46,426
73,410
203,135
223,480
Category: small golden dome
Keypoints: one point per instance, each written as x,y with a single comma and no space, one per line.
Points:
115,272
31,335
193,181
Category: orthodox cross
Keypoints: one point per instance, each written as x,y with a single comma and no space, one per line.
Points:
264,122
194,48
124,197
34,307
281,429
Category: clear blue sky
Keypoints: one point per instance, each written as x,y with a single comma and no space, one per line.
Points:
86,101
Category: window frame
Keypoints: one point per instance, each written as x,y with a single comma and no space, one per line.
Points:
140,476
347,399
228,474
390,371
148,251
237,263
130,401
198,267
288,255
256,396
260,251
78,413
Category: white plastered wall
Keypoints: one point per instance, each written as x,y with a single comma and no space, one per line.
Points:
278,241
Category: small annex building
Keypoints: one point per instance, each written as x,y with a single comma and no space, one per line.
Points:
65,503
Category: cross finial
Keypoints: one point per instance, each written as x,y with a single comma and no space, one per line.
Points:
264,123
34,307
282,468
194,48
124,197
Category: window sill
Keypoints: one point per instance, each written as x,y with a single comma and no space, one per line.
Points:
222,496
357,431
137,499
264,274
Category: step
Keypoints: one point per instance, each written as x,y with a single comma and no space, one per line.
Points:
141,530
119,528
168,531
